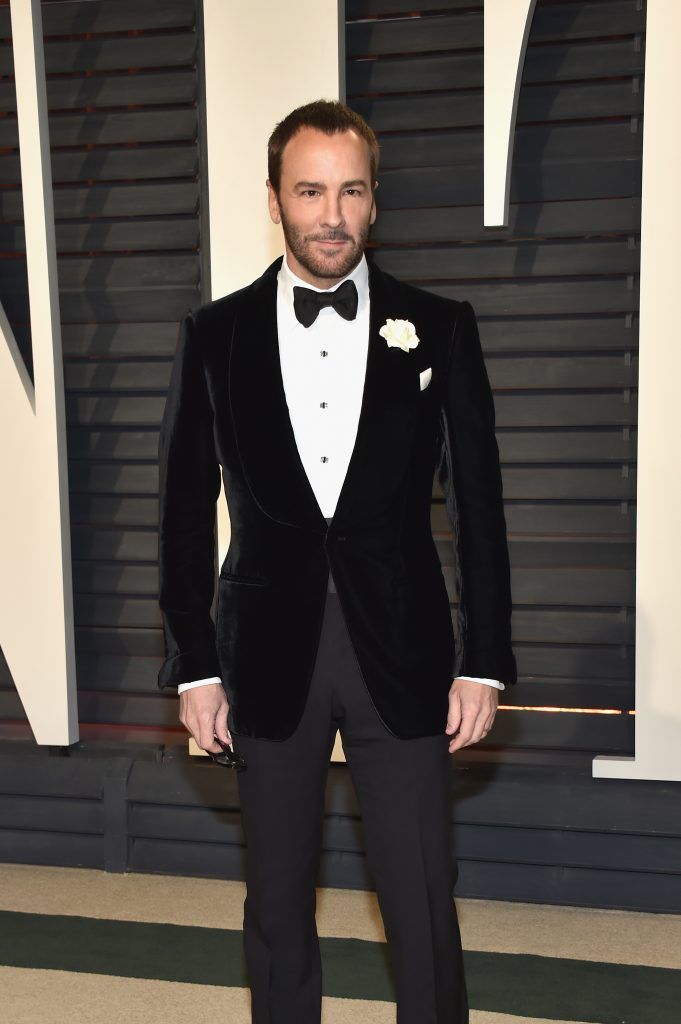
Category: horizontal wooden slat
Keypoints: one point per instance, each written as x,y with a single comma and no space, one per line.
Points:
102,477
523,259
585,446
153,821
590,409
134,445
602,662
26,846
110,510
115,545
162,50
582,178
461,31
359,10
97,614
135,375
555,797
565,586
76,18
592,482
555,63
536,103
166,198
113,236
573,625
519,296
582,692
44,776
52,815
107,129
118,272
109,410
566,333
135,162
611,217
103,91
533,146
548,517
535,552
131,303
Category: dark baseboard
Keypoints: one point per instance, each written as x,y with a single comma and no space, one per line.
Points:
527,826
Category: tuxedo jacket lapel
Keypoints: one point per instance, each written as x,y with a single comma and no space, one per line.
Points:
262,425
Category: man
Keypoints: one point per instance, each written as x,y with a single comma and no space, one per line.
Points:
330,394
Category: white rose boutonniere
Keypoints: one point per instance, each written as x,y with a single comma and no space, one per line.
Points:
400,333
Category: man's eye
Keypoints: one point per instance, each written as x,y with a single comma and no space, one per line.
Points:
310,192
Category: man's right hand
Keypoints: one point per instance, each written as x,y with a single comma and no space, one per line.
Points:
203,712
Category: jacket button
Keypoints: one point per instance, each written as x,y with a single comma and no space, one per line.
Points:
341,536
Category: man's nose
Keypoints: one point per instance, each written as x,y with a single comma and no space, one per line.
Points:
332,214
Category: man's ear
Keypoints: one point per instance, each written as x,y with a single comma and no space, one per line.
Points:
372,218
273,203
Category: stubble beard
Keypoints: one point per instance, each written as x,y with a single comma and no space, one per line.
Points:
334,265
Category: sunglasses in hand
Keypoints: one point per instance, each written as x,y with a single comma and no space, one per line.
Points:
227,757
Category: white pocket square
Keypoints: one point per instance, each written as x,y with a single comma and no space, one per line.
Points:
424,377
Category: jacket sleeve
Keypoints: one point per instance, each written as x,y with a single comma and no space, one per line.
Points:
470,476
189,485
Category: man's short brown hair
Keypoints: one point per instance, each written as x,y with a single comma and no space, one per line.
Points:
329,116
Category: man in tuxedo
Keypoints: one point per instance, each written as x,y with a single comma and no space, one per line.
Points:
329,394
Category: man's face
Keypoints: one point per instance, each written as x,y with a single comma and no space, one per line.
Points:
325,204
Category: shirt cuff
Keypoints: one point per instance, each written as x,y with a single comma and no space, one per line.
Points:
198,682
488,682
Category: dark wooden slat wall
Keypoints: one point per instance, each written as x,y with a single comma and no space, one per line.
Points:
557,300
556,295
122,89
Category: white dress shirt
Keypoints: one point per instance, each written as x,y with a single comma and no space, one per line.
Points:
323,368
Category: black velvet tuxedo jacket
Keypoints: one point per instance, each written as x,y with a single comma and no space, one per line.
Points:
226,411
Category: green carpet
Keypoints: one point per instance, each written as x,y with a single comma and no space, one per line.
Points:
521,984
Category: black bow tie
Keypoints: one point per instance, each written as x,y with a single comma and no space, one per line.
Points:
307,302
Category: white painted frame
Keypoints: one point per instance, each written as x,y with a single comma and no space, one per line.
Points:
36,592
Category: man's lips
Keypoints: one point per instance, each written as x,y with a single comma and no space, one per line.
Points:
333,241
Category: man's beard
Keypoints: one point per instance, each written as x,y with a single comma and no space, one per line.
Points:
332,266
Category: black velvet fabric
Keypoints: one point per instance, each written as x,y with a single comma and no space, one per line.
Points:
226,411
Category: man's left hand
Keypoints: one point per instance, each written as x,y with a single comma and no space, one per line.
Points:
472,707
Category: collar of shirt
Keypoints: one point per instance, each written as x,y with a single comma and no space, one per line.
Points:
287,279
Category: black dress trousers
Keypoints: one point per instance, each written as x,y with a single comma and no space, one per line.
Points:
403,792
